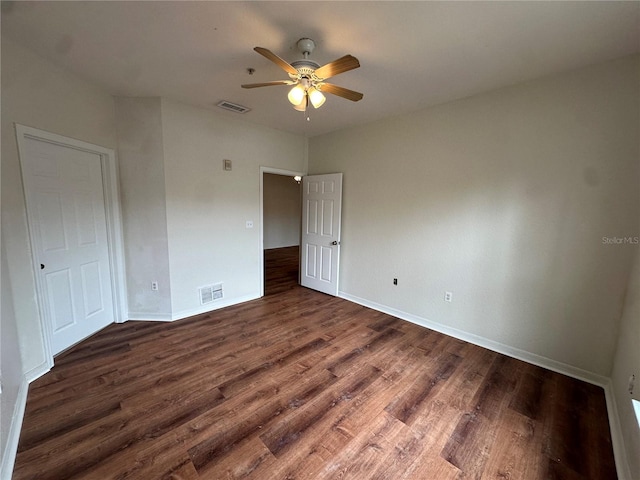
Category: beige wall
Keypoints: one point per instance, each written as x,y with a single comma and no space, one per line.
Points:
627,363
143,202
10,362
207,207
38,94
281,211
184,216
502,199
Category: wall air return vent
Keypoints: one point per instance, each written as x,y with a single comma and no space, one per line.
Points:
210,293
232,107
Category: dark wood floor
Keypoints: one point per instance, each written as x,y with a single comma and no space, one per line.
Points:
281,267
299,385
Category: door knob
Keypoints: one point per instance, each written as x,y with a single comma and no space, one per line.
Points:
42,266
335,243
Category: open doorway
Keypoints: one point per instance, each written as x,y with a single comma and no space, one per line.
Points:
281,220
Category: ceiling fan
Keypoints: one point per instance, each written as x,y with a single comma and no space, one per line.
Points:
309,78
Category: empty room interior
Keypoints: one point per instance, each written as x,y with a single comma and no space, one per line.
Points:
320,240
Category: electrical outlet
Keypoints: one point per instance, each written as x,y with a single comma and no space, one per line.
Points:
249,224
632,384
395,281
154,286
448,297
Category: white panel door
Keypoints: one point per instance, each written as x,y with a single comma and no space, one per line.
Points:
67,218
320,247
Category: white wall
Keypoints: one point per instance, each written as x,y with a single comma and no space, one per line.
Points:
207,207
143,201
627,363
503,199
281,211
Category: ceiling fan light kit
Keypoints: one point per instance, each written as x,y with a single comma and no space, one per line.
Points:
308,77
316,97
302,106
297,93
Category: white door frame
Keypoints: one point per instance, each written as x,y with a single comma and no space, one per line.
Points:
113,220
276,171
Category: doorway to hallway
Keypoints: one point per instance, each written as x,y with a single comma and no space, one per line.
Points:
281,226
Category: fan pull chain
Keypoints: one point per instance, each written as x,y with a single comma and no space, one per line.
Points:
306,112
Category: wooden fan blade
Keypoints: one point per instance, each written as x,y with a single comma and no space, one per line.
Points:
277,60
341,92
267,84
341,65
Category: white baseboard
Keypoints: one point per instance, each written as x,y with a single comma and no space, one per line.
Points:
36,372
619,450
151,317
218,304
498,347
617,440
170,317
11,447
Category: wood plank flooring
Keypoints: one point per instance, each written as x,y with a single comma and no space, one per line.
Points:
300,385
281,269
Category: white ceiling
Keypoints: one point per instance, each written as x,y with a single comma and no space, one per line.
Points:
412,54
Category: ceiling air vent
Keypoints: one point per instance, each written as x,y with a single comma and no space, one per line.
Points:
232,107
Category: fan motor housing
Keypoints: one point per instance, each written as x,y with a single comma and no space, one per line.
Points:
305,67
